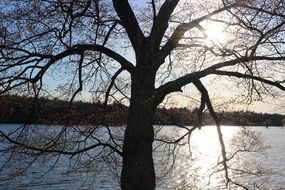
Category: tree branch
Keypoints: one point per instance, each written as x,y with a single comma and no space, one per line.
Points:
184,27
129,21
79,48
177,84
72,153
160,22
111,85
247,76
79,80
206,97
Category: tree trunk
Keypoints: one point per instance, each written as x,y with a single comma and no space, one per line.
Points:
138,169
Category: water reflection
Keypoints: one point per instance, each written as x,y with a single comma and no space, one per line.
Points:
195,159
183,165
199,162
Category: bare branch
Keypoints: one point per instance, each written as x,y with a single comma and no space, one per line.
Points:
160,22
181,29
40,150
79,80
130,23
247,76
111,84
176,85
204,93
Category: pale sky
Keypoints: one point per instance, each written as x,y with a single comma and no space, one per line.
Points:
268,106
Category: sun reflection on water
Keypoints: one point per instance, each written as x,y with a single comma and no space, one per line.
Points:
207,151
196,164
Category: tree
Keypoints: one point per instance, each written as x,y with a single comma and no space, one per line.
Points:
83,42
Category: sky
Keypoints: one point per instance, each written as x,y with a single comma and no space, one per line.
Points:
269,105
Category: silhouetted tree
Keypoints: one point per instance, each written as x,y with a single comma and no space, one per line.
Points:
167,46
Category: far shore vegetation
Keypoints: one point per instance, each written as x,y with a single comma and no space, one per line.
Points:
22,110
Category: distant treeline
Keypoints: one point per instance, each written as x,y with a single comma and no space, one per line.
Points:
17,109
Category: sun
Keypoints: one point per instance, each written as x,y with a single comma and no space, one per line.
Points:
214,33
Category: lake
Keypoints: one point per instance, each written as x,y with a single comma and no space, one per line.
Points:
194,161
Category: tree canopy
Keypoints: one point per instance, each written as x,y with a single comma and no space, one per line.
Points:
141,54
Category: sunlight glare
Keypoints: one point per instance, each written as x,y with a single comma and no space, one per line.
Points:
208,150
215,33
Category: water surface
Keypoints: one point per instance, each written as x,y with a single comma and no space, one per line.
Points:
189,171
